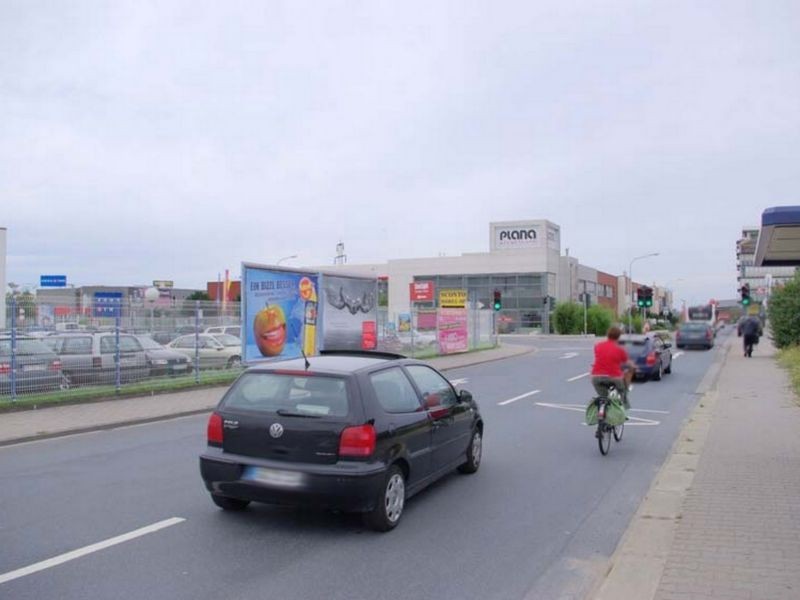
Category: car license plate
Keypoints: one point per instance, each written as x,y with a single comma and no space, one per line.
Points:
273,477
33,368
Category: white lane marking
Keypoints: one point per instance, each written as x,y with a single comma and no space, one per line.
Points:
581,376
520,397
569,355
68,556
677,355
459,381
579,408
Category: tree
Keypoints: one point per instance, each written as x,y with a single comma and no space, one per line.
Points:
599,319
203,296
568,318
784,313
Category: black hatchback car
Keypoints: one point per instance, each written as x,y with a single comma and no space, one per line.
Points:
348,431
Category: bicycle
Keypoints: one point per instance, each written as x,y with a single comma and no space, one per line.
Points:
605,430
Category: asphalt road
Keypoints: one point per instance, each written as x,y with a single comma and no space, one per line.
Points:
539,520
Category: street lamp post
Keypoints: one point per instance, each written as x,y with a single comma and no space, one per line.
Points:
630,276
280,260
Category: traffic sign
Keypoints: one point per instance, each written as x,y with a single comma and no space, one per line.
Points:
52,281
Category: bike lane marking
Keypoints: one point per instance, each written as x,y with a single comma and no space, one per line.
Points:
96,547
520,397
569,355
631,420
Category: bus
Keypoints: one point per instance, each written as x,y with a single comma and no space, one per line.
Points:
702,314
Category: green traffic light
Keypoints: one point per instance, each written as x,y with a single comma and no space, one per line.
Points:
497,306
745,301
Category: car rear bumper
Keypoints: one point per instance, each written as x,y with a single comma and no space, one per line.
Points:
30,382
350,486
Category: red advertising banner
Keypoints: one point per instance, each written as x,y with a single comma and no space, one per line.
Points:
369,335
453,335
421,291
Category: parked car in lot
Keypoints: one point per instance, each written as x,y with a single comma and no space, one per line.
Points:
650,353
38,369
212,352
234,330
354,431
694,334
91,357
164,361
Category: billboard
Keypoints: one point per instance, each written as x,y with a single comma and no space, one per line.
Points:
453,330
452,298
279,313
421,291
349,313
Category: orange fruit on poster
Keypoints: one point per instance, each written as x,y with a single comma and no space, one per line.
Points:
269,327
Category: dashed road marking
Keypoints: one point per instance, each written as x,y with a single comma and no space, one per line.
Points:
520,397
582,409
569,355
68,556
677,355
581,376
459,381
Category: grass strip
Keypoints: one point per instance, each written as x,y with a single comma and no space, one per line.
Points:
789,358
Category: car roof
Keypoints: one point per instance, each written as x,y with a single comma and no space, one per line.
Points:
334,364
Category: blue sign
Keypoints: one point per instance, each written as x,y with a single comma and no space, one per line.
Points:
107,304
52,281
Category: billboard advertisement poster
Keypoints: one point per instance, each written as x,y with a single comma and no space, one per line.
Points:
421,291
279,313
453,330
349,313
452,298
46,316
404,322
426,319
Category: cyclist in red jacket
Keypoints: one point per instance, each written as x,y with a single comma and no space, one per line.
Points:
610,359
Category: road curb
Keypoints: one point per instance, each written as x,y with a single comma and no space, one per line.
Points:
636,567
522,350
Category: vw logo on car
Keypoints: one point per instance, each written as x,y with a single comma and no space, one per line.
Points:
276,430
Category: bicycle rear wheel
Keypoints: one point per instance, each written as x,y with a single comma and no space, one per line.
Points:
618,429
604,437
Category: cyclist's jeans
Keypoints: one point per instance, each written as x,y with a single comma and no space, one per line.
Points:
602,384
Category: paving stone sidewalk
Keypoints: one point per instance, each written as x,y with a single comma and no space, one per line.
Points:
739,536
60,420
722,519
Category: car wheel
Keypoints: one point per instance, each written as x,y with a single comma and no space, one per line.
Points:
659,372
226,503
390,502
235,362
474,452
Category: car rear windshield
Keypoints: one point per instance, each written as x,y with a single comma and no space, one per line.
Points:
694,326
632,343
24,348
300,395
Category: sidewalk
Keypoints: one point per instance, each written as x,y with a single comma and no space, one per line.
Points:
61,420
722,519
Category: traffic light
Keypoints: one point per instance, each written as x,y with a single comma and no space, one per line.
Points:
498,300
648,297
745,290
640,297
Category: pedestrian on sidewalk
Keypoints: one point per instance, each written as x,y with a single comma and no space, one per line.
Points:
751,331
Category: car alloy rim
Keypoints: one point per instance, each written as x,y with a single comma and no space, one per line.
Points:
395,497
477,448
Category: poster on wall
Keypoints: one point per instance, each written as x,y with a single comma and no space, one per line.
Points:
349,313
279,313
453,330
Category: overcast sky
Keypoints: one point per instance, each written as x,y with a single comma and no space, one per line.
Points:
171,140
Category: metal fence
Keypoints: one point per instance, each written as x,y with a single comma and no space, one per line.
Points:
59,353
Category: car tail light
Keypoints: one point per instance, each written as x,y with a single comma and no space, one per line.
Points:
5,368
55,365
708,334
214,430
97,362
651,358
357,441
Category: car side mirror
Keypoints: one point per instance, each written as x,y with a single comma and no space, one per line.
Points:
465,397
